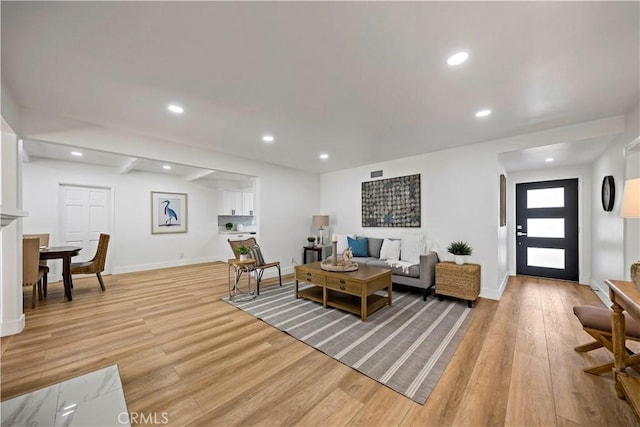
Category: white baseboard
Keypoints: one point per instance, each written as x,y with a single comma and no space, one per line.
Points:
271,272
164,264
12,327
496,294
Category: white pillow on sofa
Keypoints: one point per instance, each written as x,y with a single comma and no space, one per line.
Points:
390,250
411,247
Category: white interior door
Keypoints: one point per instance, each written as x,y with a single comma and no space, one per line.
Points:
85,213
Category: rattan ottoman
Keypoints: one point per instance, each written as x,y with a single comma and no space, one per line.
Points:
459,281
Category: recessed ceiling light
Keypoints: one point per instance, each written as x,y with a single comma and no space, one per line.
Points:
483,113
268,138
457,58
76,153
167,167
176,109
549,159
324,156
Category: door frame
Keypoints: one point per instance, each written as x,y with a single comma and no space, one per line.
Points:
584,214
110,221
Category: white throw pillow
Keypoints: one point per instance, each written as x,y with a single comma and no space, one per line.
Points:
390,250
342,242
411,247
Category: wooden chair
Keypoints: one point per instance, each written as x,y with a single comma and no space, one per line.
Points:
44,241
596,321
31,272
96,265
256,253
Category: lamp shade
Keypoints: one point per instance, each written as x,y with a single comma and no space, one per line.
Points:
320,220
631,199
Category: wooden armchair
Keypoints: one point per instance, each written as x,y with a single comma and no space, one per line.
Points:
256,253
32,273
96,265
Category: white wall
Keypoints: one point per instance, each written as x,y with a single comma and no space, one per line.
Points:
632,225
460,194
607,227
286,198
583,173
132,246
613,245
12,320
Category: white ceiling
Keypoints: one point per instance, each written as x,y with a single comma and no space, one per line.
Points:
361,81
36,150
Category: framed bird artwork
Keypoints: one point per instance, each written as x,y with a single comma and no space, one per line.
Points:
168,212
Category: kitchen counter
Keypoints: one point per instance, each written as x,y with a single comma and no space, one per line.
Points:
237,232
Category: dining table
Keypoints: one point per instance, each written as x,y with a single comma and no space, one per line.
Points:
65,253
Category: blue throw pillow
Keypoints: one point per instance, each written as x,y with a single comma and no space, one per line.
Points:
359,247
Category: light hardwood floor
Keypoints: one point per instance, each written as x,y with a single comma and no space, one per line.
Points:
182,351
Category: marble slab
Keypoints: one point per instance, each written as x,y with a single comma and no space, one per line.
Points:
93,399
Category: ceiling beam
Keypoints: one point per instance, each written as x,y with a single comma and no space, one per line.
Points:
199,175
127,168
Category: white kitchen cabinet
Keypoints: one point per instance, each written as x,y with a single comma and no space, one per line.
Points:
236,202
231,202
247,203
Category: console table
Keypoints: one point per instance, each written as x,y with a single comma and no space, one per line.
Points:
624,297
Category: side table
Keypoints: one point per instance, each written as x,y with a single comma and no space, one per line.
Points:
459,281
245,266
317,249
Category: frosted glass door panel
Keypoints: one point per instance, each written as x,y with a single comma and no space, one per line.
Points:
545,227
545,257
545,198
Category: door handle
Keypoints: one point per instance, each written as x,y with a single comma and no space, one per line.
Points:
520,234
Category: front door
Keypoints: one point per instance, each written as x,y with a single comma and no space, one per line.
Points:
547,229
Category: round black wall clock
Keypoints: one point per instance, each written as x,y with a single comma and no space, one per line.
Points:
608,193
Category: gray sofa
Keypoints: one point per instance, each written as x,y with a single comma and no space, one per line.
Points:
420,276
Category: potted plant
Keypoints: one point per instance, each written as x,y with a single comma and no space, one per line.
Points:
311,240
459,250
228,225
243,252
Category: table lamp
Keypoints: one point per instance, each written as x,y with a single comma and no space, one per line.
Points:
320,221
631,209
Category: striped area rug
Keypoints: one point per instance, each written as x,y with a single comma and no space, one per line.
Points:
405,346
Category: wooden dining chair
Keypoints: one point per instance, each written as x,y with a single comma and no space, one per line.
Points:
44,242
256,253
31,272
96,265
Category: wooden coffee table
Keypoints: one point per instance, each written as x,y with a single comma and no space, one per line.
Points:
352,291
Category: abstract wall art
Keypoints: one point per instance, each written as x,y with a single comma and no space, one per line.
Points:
391,202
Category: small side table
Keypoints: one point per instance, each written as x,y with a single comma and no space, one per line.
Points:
459,281
317,249
235,292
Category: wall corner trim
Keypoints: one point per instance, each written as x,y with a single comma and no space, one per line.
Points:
13,327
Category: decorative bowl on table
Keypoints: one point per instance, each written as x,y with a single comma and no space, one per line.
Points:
328,265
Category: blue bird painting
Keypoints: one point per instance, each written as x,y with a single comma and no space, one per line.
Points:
169,213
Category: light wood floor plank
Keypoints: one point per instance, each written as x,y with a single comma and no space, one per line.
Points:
184,352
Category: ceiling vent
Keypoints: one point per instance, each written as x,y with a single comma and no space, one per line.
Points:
376,174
